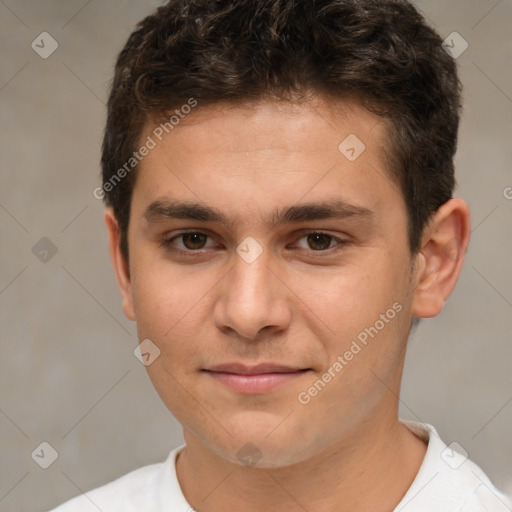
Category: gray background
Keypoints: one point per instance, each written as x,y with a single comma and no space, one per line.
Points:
67,371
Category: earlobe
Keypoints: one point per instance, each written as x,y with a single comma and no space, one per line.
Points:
120,264
440,260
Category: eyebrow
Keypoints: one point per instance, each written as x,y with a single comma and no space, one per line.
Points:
161,210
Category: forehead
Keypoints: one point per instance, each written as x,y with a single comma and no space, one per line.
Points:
320,121
266,152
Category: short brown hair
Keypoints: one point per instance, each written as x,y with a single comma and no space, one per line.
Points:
380,52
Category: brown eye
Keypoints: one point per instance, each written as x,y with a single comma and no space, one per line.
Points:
319,241
187,242
194,241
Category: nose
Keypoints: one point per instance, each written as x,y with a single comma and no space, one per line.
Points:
251,300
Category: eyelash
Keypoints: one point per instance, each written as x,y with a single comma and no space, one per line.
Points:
166,243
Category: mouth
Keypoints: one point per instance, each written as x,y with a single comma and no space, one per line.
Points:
257,379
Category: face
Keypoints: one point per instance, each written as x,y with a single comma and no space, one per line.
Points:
269,265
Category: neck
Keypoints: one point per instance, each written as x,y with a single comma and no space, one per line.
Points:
373,466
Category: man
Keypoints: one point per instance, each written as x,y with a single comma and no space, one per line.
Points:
279,183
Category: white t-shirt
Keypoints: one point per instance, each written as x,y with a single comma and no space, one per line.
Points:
446,482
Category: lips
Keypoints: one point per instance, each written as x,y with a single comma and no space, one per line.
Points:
258,379
241,369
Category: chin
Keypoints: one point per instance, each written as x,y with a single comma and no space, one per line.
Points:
264,448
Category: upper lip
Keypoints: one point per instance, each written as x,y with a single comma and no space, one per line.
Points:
242,369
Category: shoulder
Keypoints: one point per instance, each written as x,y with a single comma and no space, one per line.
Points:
448,481
138,490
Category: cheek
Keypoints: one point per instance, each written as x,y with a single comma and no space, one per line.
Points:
173,306
165,295
348,298
367,317
364,362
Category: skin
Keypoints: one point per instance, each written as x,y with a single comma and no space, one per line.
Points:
296,304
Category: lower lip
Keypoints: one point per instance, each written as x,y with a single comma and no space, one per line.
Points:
254,384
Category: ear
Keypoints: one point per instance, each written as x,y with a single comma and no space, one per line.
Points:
440,259
119,263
